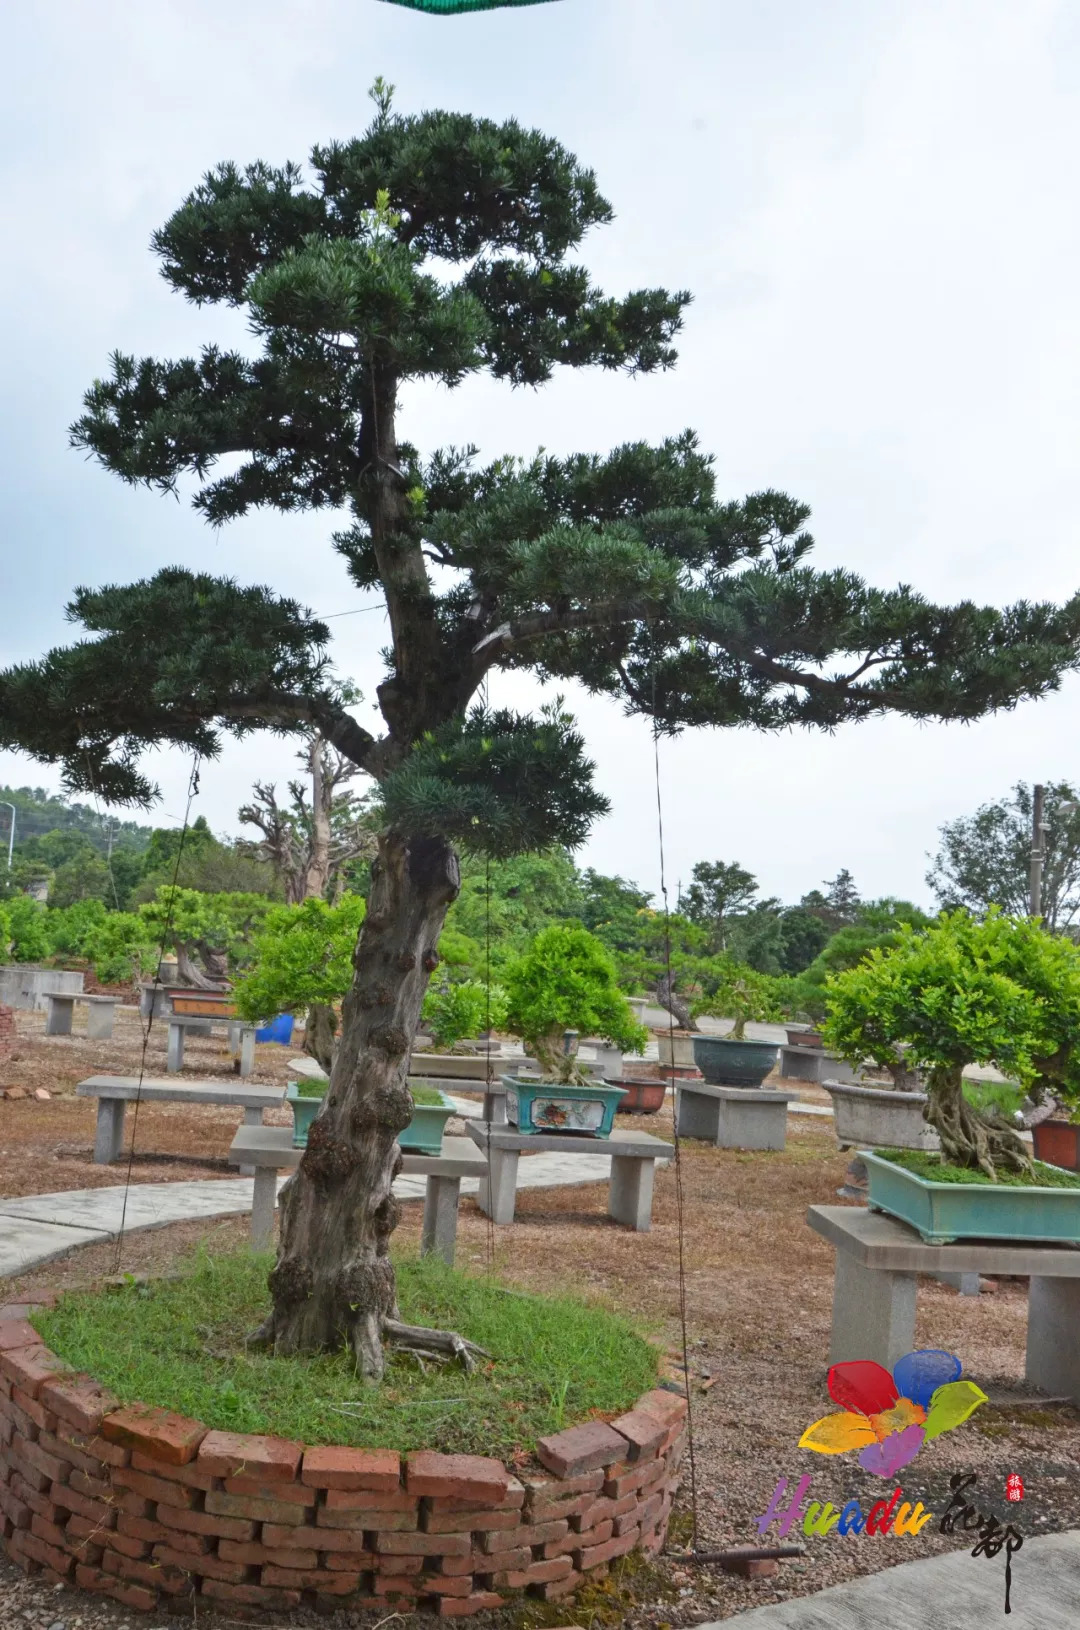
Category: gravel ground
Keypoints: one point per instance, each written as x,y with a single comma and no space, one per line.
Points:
758,1301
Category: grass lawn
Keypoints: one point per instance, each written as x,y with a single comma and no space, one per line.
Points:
179,1343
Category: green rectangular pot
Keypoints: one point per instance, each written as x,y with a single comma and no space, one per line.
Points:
422,1136
424,1133
549,1106
946,1212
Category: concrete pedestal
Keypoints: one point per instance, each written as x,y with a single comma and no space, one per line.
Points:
732,1117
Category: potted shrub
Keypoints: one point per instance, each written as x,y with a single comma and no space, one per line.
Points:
999,991
566,981
734,1060
454,1011
423,1135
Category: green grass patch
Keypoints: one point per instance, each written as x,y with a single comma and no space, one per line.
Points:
931,1168
306,1087
1003,1096
309,1088
179,1344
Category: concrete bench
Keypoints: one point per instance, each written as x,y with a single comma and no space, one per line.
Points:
269,1149
60,1010
815,1064
241,1039
634,1156
732,1117
878,1260
115,1092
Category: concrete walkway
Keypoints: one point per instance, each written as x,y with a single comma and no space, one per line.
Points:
39,1227
953,1592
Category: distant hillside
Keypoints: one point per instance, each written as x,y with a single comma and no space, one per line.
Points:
39,812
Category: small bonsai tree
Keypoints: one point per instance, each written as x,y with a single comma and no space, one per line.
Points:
567,981
746,996
453,1011
304,961
998,991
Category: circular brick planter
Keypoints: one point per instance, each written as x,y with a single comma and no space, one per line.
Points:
143,1505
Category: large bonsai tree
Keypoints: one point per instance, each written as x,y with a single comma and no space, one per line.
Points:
434,247
999,990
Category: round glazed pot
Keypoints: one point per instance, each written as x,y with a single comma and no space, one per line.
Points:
727,1063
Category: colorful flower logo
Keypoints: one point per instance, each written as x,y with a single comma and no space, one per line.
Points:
889,1417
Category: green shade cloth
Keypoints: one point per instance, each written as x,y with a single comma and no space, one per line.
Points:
446,7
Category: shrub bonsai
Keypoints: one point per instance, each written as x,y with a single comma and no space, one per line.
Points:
453,1011
430,249
303,962
748,998
997,991
567,981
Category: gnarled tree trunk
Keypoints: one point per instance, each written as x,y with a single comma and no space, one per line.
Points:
968,1137
333,1280
320,1029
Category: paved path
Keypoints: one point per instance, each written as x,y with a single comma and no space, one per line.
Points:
953,1592
39,1227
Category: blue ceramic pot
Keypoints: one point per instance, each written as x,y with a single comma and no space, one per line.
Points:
727,1063
549,1106
422,1136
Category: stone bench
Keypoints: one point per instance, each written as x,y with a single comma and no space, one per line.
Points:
879,1259
60,1010
241,1038
115,1092
269,1149
633,1158
732,1117
814,1064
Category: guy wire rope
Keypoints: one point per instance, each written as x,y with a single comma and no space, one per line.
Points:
192,793
691,1458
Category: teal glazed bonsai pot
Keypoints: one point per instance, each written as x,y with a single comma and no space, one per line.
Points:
422,1136
424,1133
727,1063
304,1111
549,1106
946,1212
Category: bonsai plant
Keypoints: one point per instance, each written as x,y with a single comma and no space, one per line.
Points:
733,1060
303,961
452,1011
566,981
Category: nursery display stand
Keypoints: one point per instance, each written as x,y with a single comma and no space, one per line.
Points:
732,1117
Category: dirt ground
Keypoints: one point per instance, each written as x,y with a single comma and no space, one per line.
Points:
758,1291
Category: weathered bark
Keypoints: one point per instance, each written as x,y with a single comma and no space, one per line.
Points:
969,1137
191,974
333,1280
319,1032
668,997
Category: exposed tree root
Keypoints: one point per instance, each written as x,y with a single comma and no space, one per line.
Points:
969,1137
440,1345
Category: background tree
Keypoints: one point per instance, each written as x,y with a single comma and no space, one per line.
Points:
311,841
985,859
434,247
720,889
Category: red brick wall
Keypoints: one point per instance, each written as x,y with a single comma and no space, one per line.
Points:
7,1030
143,1505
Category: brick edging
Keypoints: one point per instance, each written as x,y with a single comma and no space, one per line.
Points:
142,1504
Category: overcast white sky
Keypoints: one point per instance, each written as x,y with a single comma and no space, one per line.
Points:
875,204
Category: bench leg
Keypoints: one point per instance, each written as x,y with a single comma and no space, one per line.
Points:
58,1017
232,1037
1053,1355
873,1313
109,1138
99,1022
498,1186
698,1116
252,1117
630,1193
247,1052
174,1058
439,1232
263,1202
494,1109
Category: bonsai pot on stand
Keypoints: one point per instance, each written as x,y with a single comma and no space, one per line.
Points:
422,1136
880,1117
725,1062
730,1112
534,1105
